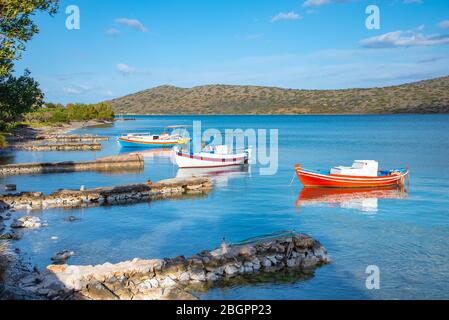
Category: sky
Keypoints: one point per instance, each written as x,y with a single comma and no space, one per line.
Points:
123,47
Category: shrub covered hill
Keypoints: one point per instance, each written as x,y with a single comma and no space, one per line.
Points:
429,96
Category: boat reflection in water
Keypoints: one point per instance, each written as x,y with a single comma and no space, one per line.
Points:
364,199
152,153
220,175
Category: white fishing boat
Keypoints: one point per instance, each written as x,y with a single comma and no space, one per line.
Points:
211,156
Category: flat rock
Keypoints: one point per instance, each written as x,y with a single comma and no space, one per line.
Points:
72,219
30,222
10,236
62,256
10,187
98,291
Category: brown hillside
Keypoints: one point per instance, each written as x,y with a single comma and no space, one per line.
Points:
429,96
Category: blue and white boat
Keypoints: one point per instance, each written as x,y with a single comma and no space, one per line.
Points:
148,140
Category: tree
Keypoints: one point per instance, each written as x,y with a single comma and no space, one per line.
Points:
16,28
18,96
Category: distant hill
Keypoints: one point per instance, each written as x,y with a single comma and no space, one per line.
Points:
429,96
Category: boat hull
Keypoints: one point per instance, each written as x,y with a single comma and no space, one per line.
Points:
184,160
129,143
312,179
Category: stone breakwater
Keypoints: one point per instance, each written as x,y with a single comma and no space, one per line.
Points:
71,137
61,142
129,162
170,278
107,195
58,146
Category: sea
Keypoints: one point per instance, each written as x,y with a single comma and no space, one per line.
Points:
399,236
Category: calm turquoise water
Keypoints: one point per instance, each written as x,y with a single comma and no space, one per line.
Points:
405,235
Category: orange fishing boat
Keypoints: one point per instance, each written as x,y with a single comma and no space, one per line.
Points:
362,174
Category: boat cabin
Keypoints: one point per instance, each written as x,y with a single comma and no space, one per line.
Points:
362,168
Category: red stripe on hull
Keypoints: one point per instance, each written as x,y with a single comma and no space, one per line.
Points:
309,179
214,166
191,156
156,142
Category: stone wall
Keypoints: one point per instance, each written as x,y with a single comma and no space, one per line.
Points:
171,278
70,137
107,195
131,161
58,146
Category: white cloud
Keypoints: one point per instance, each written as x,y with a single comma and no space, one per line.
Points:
133,23
285,16
410,38
318,3
444,24
71,90
125,69
113,32
77,89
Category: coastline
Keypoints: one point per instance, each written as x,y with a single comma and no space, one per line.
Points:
69,127
277,114
29,134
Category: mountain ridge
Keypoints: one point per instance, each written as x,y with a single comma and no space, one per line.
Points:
425,96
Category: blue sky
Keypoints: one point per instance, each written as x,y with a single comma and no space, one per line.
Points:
128,46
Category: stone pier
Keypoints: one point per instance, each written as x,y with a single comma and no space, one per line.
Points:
169,188
71,137
173,278
60,146
123,162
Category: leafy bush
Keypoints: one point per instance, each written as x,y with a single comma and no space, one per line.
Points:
57,113
18,96
3,142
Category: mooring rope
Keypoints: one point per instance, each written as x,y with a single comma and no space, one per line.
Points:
293,178
270,236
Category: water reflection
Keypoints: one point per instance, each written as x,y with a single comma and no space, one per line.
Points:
150,153
6,157
364,200
220,175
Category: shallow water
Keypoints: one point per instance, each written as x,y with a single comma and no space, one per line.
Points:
405,235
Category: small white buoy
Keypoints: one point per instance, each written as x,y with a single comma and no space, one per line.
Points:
54,238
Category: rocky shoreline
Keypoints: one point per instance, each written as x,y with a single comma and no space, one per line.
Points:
55,138
106,195
81,146
175,278
111,163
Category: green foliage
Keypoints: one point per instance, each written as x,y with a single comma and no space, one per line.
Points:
18,96
3,142
16,27
56,113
